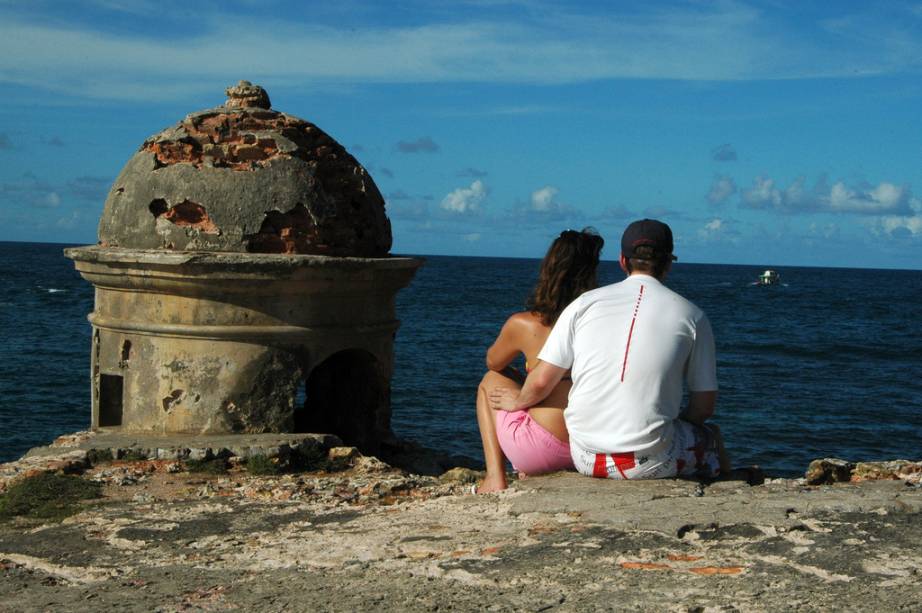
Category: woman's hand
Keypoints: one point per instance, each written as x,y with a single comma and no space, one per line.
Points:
503,398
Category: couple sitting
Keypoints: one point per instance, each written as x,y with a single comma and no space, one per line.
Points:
606,369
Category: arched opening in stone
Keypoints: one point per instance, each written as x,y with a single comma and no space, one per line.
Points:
347,395
110,394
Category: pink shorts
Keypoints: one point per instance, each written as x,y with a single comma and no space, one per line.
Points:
531,449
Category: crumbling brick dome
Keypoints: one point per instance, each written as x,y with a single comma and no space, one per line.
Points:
245,178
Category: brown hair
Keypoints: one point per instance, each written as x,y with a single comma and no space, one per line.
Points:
648,261
567,270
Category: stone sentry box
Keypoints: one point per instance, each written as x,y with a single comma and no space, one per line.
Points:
243,283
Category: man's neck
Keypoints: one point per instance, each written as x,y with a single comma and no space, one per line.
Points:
645,274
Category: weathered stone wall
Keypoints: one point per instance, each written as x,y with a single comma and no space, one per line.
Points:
242,178
224,343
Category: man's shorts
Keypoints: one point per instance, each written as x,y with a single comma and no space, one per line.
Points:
531,449
692,451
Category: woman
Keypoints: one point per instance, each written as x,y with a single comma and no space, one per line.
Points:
536,440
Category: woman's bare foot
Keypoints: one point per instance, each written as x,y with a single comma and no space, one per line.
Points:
492,483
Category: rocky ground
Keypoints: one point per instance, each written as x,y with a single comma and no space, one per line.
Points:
353,533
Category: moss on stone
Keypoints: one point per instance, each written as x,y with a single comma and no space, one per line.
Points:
215,466
133,455
47,496
262,465
99,456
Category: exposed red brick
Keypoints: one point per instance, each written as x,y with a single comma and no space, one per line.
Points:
223,139
174,152
291,232
344,214
645,566
185,214
226,140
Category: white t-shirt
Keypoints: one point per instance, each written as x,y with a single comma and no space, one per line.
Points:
629,346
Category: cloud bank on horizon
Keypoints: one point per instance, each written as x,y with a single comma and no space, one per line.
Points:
761,133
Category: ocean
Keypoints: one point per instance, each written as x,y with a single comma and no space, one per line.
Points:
827,364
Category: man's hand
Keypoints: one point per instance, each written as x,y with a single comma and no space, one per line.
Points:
538,385
503,398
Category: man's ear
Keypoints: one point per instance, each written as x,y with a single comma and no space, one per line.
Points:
623,261
667,269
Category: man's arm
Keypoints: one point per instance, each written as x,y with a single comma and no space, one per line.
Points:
539,383
700,407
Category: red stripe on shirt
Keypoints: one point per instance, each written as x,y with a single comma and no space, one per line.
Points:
630,333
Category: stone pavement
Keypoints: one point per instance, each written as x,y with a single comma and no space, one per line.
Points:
365,536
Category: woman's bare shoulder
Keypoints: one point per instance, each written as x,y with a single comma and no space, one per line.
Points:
525,320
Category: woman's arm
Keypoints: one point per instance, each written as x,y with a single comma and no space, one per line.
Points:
506,346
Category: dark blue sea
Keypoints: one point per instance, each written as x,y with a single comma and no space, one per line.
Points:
827,364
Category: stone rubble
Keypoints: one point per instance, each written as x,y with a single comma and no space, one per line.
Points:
834,470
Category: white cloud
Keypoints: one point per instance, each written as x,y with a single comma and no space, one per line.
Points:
465,200
722,188
51,200
724,41
762,195
543,200
898,226
473,237
884,198
542,207
716,229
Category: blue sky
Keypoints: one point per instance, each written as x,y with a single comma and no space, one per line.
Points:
766,133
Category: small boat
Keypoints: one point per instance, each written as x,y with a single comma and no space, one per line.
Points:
769,277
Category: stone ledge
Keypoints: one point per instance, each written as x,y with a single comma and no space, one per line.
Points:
181,447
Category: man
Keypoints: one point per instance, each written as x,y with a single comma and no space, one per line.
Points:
629,347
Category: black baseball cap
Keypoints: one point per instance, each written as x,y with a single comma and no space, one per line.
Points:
648,233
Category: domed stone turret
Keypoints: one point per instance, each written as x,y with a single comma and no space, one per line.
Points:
244,178
241,283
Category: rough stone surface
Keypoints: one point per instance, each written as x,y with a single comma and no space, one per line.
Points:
207,343
372,538
245,94
244,178
829,470
896,469
73,453
833,470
